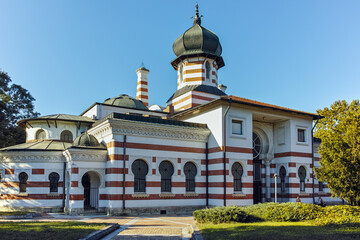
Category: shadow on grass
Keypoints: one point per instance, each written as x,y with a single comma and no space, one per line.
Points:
47,230
279,231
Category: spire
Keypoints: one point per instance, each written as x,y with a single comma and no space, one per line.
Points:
197,18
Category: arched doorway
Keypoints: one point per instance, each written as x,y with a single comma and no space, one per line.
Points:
91,183
257,148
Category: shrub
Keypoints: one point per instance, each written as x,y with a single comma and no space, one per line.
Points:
221,215
284,212
341,214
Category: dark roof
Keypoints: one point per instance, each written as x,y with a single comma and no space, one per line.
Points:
86,140
124,100
198,88
316,140
39,145
197,41
62,117
151,120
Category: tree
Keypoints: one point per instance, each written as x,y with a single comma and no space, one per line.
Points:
339,132
16,103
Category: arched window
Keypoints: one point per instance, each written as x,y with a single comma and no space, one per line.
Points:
237,172
40,134
207,70
181,74
166,170
66,136
302,176
282,174
256,145
190,173
54,182
23,177
140,170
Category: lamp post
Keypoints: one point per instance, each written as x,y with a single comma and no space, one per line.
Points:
275,176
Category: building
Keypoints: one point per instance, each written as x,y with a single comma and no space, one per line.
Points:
204,149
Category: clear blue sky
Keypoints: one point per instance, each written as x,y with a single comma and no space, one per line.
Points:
70,54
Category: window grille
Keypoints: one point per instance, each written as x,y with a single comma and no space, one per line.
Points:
140,169
54,181
237,172
256,145
23,177
166,170
207,70
190,173
302,176
282,178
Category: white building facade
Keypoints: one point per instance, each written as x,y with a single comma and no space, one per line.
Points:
204,149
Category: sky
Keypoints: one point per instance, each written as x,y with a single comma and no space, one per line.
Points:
69,54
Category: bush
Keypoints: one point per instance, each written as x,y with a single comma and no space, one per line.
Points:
221,215
341,214
284,212
280,212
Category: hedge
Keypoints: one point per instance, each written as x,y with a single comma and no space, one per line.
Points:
280,212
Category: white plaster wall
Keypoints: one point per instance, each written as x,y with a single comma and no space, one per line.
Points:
54,132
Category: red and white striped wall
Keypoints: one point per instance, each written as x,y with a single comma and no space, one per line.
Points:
192,71
142,85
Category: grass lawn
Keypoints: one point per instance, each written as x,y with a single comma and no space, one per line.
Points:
278,231
47,230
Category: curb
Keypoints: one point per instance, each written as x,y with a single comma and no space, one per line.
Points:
196,235
102,232
25,216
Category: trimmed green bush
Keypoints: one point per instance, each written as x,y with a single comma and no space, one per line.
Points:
284,212
221,215
341,214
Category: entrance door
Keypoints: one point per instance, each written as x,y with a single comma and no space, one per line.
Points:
86,184
257,168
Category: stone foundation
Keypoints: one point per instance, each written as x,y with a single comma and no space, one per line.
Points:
188,210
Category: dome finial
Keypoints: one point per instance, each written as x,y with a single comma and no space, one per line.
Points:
197,18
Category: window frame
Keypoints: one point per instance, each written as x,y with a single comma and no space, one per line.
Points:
306,137
243,127
66,132
282,179
166,181
138,188
238,184
38,132
302,180
190,180
52,184
23,184
207,67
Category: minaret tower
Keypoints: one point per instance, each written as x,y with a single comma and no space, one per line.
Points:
198,58
142,85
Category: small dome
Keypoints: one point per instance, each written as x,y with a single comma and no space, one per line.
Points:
87,140
126,101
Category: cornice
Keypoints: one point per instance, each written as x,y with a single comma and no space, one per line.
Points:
85,155
32,156
125,127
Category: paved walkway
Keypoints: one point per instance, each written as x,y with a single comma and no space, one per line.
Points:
153,228
157,227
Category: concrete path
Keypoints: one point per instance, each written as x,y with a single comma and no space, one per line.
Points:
153,228
157,227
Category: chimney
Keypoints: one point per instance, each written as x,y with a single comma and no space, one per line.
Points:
222,87
142,85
